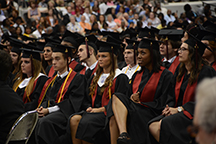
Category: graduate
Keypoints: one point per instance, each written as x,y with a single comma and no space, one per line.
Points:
31,78
11,106
90,126
149,88
171,126
168,49
61,96
87,52
69,40
210,40
130,56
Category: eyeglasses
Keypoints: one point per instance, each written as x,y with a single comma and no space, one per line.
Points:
193,130
182,49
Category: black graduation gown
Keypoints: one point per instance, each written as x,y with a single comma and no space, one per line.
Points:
174,127
53,125
32,105
95,122
11,107
140,114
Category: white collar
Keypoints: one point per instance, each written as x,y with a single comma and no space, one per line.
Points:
72,59
134,67
92,66
25,82
103,77
64,74
170,60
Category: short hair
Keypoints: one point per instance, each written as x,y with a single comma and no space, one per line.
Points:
206,98
5,64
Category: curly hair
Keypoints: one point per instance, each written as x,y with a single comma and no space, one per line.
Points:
109,79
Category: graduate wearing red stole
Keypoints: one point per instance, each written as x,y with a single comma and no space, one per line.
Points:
149,88
61,96
171,126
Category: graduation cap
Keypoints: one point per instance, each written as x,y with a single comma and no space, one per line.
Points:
25,38
51,42
2,47
94,32
108,47
128,33
70,37
155,30
113,34
30,51
40,45
146,33
209,26
132,44
88,41
113,40
210,36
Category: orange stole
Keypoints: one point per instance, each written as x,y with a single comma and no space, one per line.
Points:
149,90
174,65
25,97
51,72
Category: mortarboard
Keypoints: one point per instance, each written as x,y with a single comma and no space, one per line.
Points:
70,37
149,44
29,51
88,41
146,33
113,34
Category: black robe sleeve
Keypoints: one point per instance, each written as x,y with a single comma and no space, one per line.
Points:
163,90
206,72
78,68
48,69
74,96
122,85
36,94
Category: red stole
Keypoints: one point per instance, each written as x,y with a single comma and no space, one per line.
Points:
214,65
189,94
105,96
72,75
174,65
84,70
73,64
149,90
25,98
51,72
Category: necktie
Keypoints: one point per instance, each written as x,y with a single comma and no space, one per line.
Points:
88,73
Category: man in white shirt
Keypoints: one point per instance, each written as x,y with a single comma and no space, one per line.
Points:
103,8
130,58
169,17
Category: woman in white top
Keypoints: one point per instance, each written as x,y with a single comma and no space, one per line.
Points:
153,20
112,25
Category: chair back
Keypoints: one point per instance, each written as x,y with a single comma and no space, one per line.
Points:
23,127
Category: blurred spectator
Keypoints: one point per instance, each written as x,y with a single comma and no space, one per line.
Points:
40,30
78,16
79,6
19,32
6,25
74,26
169,17
43,4
92,19
14,16
95,11
106,28
119,19
51,4
18,23
110,3
101,21
103,8
144,21
87,15
161,16
127,20
43,21
51,18
136,18
111,24
34,12
162,25
113,13
130,13
153,20
28,31
73,8
189,13
83,24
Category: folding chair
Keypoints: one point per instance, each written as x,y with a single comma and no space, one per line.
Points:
23,127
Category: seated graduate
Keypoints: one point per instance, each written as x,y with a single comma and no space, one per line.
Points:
68,39
31,78
11,106
210,40
86,127
130,56
149,88
169,48
87,52
171,127
61,96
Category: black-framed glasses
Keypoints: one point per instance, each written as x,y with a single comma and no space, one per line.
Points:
182,49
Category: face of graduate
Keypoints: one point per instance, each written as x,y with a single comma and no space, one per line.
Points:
82,53
185,37
104,59
144,57
47,53
183,53
163,50
26,66
14,57
207,52
59,62
202,136
129,56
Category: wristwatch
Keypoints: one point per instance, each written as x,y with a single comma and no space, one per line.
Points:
180,109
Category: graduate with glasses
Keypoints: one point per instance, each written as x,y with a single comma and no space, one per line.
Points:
171,126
